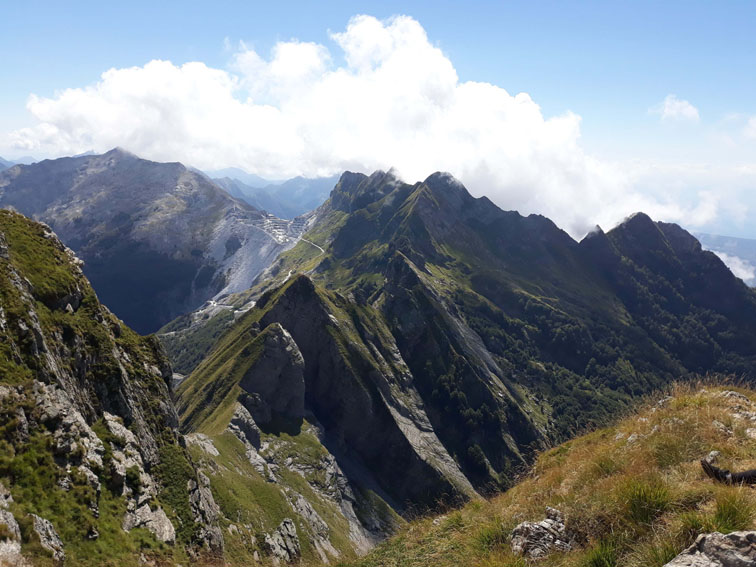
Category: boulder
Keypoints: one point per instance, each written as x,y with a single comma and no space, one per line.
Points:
536,540
737,549
275,384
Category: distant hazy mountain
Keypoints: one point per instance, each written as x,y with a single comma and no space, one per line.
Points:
25,160
288,199
249,179
255,196
738,253
5,164
157,239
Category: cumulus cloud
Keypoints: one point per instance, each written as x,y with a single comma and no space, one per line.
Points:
382,96
675,109
741,268
750,128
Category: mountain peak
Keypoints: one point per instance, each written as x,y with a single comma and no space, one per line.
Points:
118,151
637,221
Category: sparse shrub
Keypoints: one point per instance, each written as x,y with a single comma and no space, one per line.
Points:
133,479
692,524
453,521
656,553
5,532
602,555
492,536
734,511
604,465
646,500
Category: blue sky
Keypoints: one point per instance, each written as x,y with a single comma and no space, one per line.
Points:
610,63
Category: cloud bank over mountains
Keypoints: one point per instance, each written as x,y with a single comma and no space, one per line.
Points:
384,96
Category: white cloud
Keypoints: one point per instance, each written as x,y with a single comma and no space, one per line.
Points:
673,108
741,268
750,128
396,101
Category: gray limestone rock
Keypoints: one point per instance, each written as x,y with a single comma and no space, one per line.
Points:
10,546
318,529
737,549
206,512
48,538
283,543
536,540
244,427
156,521
203,442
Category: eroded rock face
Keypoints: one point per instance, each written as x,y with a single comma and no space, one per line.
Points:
737,549
538,539
283,543
275,383
48,538
319,531
205,512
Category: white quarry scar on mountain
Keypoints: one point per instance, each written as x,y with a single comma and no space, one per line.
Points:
261,243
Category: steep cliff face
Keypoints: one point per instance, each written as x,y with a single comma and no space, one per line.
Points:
157,239
91,457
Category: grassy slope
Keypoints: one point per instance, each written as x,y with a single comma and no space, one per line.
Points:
627,503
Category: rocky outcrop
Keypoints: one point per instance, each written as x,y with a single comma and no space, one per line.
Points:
244,427
318,529
283,543
89,399
538,539
156,521
206,512
275,383
48,538
737,549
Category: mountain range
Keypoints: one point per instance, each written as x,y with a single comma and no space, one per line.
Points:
402,349
471,338
157,239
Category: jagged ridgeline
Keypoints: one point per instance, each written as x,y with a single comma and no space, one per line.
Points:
92,469
444,341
